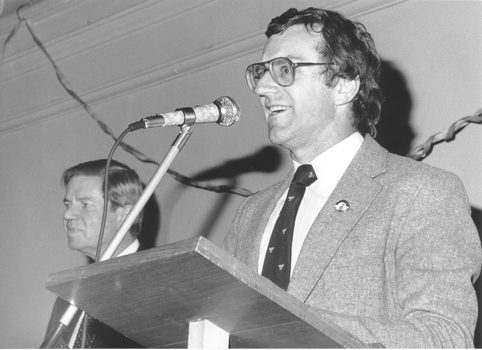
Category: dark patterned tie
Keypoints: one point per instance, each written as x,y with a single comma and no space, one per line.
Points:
277,264
89,336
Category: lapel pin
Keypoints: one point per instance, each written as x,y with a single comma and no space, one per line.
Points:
342,206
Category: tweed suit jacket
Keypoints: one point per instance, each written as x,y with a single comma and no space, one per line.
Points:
397,268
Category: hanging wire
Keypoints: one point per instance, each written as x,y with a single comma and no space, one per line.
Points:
106,193
425,148
105,128
419,153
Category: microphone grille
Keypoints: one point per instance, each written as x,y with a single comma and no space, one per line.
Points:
229,111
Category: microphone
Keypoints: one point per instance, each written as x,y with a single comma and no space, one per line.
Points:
224,111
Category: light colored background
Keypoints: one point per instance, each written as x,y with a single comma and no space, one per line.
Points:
130,59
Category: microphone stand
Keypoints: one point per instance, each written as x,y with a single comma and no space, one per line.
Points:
61,326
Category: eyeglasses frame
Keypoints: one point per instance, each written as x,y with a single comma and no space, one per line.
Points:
268,64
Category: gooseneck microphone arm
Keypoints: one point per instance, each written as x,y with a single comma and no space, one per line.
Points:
176,147
224,111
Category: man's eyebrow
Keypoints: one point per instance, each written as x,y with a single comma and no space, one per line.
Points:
81,199
85,198
295,57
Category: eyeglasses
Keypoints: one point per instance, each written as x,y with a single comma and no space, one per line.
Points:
281,69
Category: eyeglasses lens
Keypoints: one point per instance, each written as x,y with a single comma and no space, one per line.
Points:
280,70
257,72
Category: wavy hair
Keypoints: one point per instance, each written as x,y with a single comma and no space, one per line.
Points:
352,49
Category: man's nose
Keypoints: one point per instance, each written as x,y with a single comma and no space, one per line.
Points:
266,85
70,213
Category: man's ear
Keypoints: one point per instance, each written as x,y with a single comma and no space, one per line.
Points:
125,210
346,90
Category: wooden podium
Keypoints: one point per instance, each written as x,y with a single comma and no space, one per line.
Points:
193,294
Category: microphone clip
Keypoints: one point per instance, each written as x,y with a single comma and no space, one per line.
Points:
189,115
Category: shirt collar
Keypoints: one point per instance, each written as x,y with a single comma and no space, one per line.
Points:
130,249
336,159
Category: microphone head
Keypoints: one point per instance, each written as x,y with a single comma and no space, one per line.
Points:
229,111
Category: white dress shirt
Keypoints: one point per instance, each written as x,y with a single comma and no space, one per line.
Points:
329,168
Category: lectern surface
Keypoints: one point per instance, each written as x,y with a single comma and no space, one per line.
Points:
151,296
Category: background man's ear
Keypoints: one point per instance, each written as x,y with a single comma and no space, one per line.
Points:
125,211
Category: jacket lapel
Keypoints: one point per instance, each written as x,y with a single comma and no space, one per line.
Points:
331,227
260,218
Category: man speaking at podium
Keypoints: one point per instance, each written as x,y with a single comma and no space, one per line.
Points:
84,202
379,244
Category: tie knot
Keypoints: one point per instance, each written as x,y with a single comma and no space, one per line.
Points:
305,175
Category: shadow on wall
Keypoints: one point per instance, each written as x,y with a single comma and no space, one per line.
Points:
151,223
266,160
394,131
